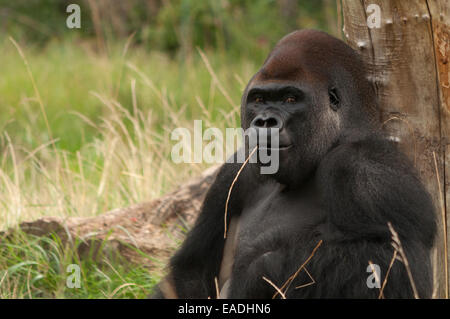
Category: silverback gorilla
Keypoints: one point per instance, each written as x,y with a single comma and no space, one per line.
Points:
340,181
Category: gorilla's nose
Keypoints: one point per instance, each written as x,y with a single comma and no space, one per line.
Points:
267,121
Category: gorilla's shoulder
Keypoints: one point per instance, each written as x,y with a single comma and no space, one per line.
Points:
374,153
370,182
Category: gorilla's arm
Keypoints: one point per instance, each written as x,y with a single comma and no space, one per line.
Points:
197,262
364,185
341,269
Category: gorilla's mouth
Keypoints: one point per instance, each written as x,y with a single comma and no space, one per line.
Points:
270,148
283,143
275,143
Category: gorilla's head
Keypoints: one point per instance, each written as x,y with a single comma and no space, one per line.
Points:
312,87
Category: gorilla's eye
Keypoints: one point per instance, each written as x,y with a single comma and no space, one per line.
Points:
334,98
291,99
259,99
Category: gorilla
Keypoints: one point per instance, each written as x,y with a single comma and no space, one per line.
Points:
340,181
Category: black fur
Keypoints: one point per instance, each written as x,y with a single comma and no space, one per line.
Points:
342,181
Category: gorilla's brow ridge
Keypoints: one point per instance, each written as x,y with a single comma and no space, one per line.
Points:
279,90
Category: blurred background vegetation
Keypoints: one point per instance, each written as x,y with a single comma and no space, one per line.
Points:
175,26
86,114
231,31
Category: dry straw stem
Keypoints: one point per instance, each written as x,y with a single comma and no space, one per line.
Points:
378,279
444,223
291,278
276,288
309,283
95,14
231,188
215,78
125,285
36,91
216,283
394,257
3,278
17,197
124,53
397,244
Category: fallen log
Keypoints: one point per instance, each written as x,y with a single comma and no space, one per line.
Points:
153,227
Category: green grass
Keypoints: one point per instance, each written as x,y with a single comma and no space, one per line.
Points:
67,73
37,267
110,117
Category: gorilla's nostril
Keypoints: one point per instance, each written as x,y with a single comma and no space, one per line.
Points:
266,122
271,122
259,122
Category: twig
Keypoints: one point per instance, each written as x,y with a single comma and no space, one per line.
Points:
394,256
231,188
378,279
309,283
216,283
396,243
444,224
276,288
291,278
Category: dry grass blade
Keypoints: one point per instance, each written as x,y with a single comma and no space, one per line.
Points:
216,283
30,295
3,278
309,283
444,225
215,78
276,288
129,284
377,278
124,53
231,188
397,244
394,257
291,278
36,91
95,16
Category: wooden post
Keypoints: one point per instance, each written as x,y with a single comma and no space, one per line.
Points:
407,58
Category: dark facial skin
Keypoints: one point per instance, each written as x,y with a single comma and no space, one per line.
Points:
271,105
296,109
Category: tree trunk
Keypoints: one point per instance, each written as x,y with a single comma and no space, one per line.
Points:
407,59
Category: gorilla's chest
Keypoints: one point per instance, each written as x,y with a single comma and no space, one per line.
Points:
274,217
273,224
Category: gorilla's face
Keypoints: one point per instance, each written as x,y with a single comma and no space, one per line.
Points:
306,120
305,92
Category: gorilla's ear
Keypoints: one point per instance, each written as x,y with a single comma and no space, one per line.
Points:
334,98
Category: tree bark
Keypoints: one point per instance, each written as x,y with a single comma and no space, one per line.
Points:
407,61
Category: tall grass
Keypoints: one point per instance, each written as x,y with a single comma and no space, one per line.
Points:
107,145
122,125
